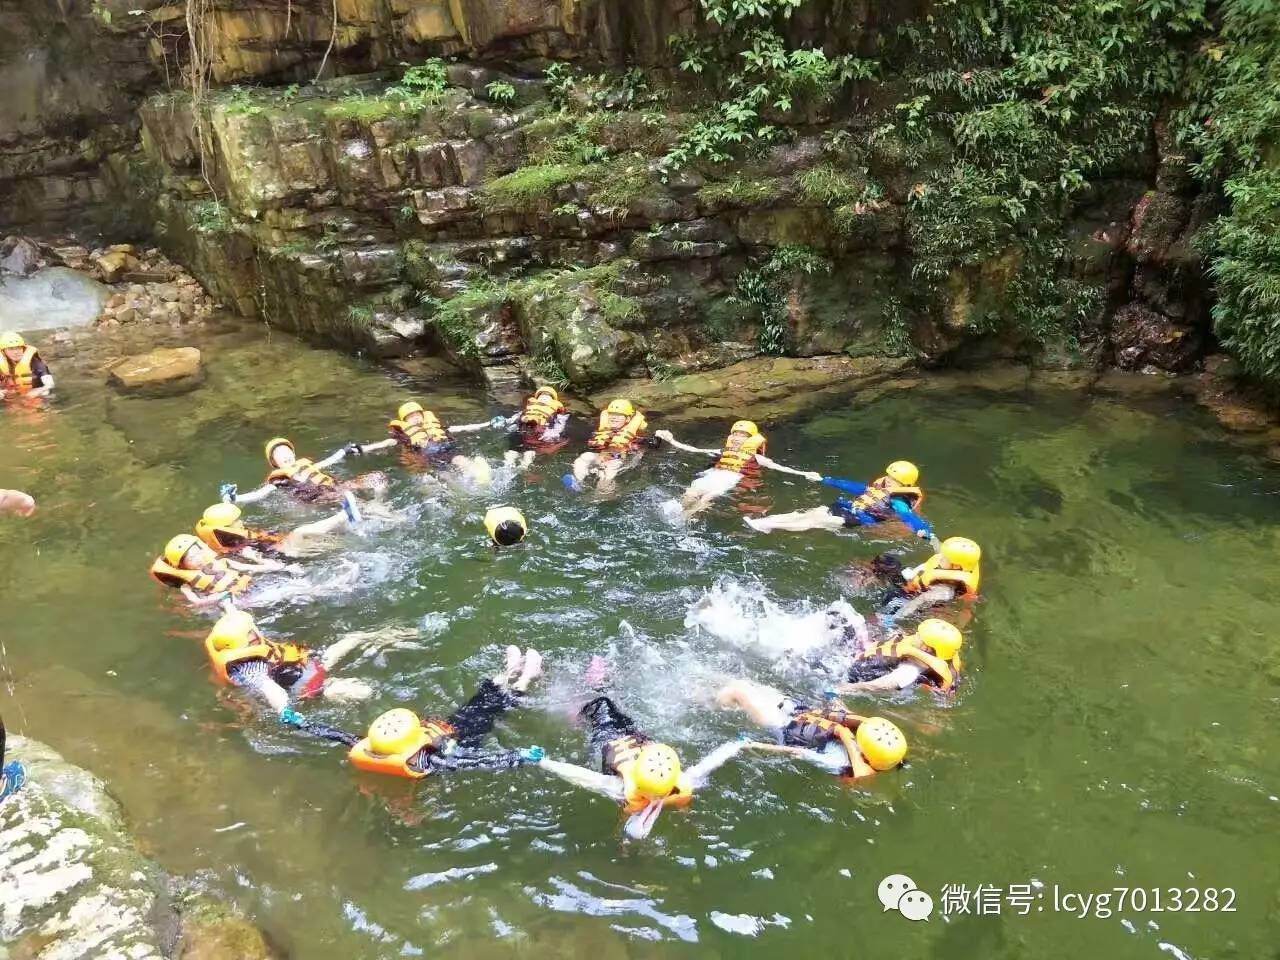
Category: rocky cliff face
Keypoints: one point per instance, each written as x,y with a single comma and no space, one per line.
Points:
513,224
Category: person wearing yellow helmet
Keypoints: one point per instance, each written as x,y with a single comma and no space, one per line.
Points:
203,577
830,737
399,743
742,453
221,529
636,771
930,657
542,419
23,371
615,446
954,572
305,479
420,433
894,496
506,526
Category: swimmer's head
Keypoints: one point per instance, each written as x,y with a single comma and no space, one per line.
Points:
943,638
506,526
280,452
903,472
544,392
961,553
234,629
13,345
186,551
619,412
741,432
411,412
881,742
657,771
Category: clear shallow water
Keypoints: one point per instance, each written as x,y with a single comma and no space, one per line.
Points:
1116,729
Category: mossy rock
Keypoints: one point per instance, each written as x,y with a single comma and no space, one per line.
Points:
210,931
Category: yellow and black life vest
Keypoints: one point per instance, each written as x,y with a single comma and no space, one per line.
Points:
420,436
275,654
814,729
619,759
229,539
303,473
620,441
539,411
942,674
744,456
876,500
214,577
435,736
932,572
19,376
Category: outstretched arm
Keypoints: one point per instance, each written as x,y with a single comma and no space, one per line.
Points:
701,771
666,435
359,449
600,783
899,678
848,486
336,457
495,423
941,593
775,465
918,524
253,496
196,600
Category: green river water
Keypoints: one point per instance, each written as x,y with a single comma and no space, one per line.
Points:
1114,730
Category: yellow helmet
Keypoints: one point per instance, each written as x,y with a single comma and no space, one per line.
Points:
657,771
745,426
408,407
222,515
276,442
881,742
10,340
624,408
235,628
177,548
395,731
549,391
943,637
904,472
506,525
961,552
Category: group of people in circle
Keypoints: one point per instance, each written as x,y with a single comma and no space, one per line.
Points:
216,563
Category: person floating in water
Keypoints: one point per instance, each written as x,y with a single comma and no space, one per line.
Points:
222,531
614,447
421,434
23,371
539,425
204,578
635,770
15,501
506,526
399,743
894,496
305,479
278,673
832,738
930,657
953,573
743,452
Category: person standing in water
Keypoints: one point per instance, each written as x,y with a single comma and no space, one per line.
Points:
221,529
615,446
399,743
743,452
894,496
832,738
638,772
23,371
304,479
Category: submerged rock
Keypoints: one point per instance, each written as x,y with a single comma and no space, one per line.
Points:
73,884
49,298
160,372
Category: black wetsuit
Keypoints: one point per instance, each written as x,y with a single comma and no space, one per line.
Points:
472,722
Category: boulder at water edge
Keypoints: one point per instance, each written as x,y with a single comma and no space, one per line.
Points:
162,372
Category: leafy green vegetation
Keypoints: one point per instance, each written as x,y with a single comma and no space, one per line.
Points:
210,216
529,189
500,92
765,286
421,86
1234,125
740,192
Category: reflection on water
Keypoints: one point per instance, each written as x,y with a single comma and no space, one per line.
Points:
1115,728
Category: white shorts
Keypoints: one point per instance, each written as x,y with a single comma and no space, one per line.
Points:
715,482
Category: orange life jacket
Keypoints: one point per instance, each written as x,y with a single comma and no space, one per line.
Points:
434,736
302,473
214,577
931,572
19,376
276,655
620,441
940,673
743,457
420,436
879,493
810,726
619,759
539,411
